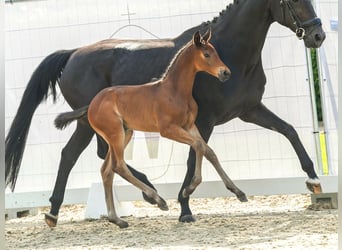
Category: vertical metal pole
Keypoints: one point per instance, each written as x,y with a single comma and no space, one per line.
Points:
340,123
314,112
324,112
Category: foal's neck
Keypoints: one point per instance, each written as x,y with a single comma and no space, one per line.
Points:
181,73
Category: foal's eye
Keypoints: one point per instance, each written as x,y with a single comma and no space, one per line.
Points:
206,54
295,1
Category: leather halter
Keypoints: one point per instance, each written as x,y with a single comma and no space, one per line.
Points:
300,26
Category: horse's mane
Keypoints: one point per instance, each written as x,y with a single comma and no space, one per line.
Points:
225,11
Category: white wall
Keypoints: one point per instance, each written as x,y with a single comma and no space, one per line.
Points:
38,28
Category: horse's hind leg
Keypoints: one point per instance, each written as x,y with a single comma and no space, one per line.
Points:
261,116
70,153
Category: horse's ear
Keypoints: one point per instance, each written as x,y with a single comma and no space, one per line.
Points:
207,35
197,39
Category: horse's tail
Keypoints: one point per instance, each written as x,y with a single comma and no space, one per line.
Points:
64,119
44,77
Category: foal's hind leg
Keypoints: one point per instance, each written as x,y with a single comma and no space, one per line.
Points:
117,142
102,149
107,174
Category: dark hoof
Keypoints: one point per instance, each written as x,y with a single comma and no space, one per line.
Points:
51,220
242,197
187,218
120,223
148,199
315,188
163,206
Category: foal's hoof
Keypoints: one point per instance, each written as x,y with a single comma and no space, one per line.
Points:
187,218
242,197
120,223
148,199
51,220
314,185
163,205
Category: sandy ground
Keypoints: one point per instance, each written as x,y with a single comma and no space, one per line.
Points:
272,222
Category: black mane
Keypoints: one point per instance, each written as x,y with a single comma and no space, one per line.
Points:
223,12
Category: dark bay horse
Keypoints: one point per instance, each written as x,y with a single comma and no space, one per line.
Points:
238,35
165,106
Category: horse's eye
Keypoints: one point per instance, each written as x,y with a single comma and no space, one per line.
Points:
294,1
206,55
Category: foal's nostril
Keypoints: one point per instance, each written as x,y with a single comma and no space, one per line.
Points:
318,37
226,73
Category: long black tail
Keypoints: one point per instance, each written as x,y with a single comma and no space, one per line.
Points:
64,119
46,75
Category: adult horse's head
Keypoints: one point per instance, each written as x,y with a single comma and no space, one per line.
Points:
300,17
207,58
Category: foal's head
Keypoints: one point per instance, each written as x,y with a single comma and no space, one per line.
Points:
207,59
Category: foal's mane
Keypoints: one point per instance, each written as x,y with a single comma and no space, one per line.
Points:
180,51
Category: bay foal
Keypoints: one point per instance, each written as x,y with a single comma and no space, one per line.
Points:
164,106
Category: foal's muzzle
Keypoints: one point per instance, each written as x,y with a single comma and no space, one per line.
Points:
224,75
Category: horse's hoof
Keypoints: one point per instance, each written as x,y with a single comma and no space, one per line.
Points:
242,197
314,185
187,218
148,199
51,220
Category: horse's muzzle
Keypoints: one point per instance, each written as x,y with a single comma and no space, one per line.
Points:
224,75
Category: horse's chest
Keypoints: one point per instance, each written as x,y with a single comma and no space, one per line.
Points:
183,113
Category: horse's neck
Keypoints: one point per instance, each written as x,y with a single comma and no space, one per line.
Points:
181,73
242,29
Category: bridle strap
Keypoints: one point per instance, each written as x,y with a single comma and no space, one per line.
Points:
300,26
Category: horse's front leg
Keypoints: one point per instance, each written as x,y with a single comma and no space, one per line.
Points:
262,116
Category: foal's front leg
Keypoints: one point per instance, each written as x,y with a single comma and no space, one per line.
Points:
192,138
212,158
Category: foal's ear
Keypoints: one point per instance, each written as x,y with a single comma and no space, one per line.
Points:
206,37
197,39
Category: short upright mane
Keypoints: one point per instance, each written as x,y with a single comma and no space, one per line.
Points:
174,59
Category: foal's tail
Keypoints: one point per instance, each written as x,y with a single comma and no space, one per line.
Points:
64,119
46,75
